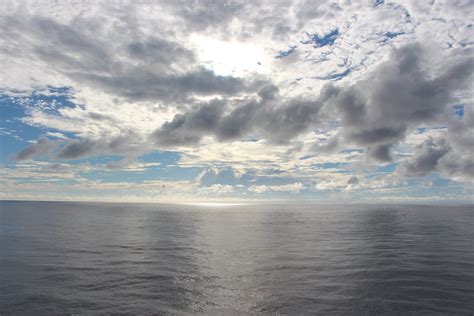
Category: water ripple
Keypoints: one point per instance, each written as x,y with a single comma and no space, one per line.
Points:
72,258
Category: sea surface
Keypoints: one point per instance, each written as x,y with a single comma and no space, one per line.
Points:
98,258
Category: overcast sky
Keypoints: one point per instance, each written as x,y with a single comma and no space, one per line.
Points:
206,100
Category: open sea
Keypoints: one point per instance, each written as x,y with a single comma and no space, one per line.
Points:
99,258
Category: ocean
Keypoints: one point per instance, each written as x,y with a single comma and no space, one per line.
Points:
99,258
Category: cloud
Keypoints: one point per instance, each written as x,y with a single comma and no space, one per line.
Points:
355,78
380,153
77,149
258,188
270,117
189,128
43,147
461,131
425,159
353,183
291,187
457,167
56,135
217,189
126,144
137,66
438,155
225,177
140,83
221,176
399,94
375,113
353,180
199,15
449,152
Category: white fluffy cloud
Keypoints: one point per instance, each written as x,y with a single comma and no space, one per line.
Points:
258,94
292,187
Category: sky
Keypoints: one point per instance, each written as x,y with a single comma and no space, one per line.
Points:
237,100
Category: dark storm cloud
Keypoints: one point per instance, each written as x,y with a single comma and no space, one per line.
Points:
158,50
379,153
189,128
425,159
77,149
282,124
138,83
375,113
331,145
450,153
353,180
400,94
126,144
134,66
239,122
66,46
278,121
370,136
42,147
438,155
461,132
456,166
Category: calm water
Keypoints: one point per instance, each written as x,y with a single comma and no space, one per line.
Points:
136,258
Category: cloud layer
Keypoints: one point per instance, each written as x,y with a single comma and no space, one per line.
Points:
286,97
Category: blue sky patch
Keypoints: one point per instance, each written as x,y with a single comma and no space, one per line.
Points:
391,167
282,54
458,110
393,34
164,173
324,40
330,165
166,158
335,76
15,135
441,182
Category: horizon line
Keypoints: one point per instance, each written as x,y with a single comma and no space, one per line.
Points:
261,202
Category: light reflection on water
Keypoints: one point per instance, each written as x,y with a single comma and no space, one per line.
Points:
144,258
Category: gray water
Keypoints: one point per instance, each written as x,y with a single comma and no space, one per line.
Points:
148,258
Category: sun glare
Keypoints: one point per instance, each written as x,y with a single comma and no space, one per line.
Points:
230,57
